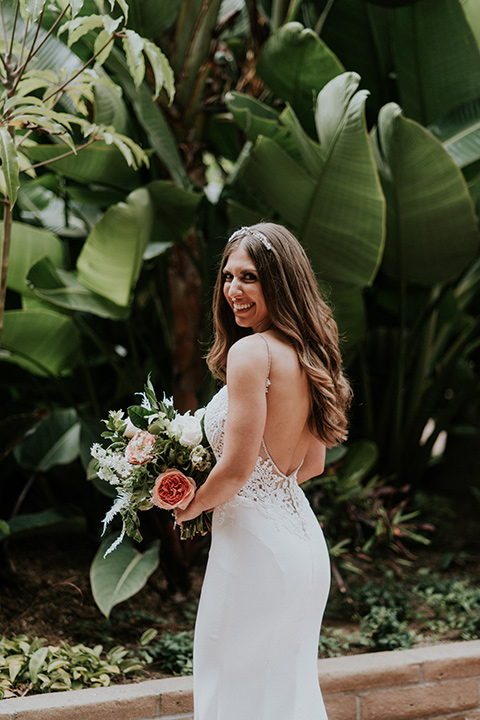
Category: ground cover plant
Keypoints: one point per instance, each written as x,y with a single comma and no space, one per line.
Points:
56,639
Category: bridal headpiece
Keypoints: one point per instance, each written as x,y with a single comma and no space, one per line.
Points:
256,233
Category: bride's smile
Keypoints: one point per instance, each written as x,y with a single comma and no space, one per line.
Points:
243,291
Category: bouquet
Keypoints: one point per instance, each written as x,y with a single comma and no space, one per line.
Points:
156,457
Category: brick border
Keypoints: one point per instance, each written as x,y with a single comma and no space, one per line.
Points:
438,682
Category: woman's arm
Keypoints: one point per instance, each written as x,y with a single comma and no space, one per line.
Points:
314,462
247,365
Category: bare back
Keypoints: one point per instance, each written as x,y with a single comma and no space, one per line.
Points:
286,435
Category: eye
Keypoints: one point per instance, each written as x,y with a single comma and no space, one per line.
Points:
227,277
250,277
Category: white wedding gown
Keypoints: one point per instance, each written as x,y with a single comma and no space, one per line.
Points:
263,597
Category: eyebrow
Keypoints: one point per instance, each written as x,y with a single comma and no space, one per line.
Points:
244,270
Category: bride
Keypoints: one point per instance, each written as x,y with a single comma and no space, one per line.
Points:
283,402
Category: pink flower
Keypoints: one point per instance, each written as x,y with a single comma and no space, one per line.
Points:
140,448
173,489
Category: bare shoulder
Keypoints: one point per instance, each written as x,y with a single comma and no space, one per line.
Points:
247,358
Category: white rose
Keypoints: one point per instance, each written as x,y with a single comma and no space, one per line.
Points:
187,429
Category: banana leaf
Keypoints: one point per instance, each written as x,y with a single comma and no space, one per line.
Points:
29,244
111,258
432,231
296,64
62,289
43,342
437,59
459,132
100,163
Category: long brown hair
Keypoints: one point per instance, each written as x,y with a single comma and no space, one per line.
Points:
296,309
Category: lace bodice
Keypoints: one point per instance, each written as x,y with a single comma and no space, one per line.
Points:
276,495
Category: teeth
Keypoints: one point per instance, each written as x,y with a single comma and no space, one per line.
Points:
244,306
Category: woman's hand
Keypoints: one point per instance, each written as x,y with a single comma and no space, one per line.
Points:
193,510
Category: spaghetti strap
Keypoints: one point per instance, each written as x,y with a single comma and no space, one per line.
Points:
267,383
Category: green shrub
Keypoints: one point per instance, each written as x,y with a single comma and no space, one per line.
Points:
173,653
32,666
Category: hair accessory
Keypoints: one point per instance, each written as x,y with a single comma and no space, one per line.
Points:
256,233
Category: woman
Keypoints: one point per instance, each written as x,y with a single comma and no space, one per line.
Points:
268,577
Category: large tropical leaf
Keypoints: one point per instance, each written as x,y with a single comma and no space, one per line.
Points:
111,258
339,213
471,9
41,341
120,574
151,18
65,519
359,35
295,64
99,163
62,289
437,59
459,132
40,203
432,230
255,118
175,209
54,441
29,244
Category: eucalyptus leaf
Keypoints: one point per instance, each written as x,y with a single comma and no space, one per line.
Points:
121,574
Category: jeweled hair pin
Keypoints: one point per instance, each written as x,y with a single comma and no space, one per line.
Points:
256,233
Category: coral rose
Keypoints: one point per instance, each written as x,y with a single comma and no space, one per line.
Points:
173,489
140,448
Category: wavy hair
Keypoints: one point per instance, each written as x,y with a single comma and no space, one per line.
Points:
296,309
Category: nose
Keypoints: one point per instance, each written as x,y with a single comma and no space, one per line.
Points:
233,289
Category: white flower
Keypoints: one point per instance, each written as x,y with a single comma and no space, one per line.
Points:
130,430
186,429
200,458
112,467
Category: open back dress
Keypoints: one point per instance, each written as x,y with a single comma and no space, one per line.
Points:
263,597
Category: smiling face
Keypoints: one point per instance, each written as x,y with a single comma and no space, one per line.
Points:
243,292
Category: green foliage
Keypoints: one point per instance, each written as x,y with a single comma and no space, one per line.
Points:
173,652
110,285
32,666
365,520
121,574
397,612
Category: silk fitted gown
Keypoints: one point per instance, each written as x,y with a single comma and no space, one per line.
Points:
263,597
